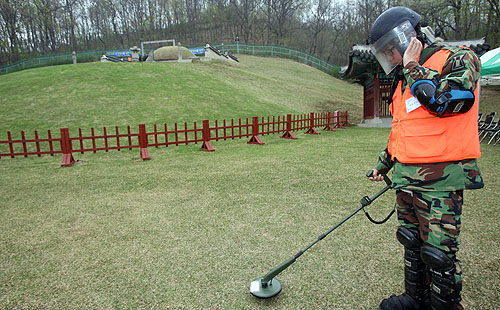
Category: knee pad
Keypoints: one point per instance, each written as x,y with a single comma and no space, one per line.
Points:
415,270
409,237
436,259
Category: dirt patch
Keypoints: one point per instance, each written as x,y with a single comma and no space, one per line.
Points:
326,106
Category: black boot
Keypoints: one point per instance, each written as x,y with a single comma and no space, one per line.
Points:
417,278
416,295
400,302
445,292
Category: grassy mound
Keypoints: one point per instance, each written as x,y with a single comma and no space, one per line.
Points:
171,53
119,94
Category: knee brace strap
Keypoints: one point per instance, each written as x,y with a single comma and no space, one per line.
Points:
409,237
436,258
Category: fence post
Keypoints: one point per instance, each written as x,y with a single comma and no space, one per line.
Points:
328,126
255,132
338,123
207,146
66,148
312,130
11,146
143,142
346,122
288,133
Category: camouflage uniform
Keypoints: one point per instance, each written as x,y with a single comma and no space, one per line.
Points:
430,195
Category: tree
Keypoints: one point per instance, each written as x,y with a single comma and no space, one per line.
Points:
246,11
279,13
326,28
493,25
319,19
69,9
9,13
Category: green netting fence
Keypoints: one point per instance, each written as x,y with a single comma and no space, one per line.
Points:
280,51
51,60
234,48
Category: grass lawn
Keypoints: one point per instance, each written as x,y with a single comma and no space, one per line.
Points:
190,229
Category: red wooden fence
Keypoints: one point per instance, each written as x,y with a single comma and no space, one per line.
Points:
165,136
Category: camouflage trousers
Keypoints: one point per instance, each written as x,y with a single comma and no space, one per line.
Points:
437,216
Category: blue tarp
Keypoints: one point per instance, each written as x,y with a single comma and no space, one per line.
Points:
119,53
197,51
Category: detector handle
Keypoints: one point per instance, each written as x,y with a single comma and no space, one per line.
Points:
388,181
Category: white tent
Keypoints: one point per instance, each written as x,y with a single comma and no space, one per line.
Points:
490,62
490,67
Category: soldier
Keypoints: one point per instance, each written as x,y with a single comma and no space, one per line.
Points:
433,147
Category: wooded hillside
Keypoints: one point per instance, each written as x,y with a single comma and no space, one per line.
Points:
325,28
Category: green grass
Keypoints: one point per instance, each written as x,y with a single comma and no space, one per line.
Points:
489,100
190,229
120,94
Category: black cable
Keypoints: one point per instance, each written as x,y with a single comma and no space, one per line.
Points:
382,221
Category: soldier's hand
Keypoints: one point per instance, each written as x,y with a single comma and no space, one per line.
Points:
376,177
413,52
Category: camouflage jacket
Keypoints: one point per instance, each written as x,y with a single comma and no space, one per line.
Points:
462,70
445,176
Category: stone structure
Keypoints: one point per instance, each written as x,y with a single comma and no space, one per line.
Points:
135,53
213,53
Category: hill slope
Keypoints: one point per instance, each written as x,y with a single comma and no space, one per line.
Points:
108,94
119,94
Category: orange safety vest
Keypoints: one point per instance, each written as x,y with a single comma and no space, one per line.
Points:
420,137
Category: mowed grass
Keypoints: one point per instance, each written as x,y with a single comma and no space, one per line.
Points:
120,94
190,229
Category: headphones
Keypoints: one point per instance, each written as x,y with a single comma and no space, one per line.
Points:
420,34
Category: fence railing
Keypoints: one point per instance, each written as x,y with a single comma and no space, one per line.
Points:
280,51
51,60
165,135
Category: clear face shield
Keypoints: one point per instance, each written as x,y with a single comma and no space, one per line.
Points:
390,48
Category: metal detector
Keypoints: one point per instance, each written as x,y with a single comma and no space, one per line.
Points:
268,286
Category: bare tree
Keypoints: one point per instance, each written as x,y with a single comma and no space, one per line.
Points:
493,25
9,13
279,13
326,28
246,11
319,19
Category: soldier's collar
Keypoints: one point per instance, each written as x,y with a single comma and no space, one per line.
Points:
428,52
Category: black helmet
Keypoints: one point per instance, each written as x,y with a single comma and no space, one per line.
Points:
392,18
391,34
